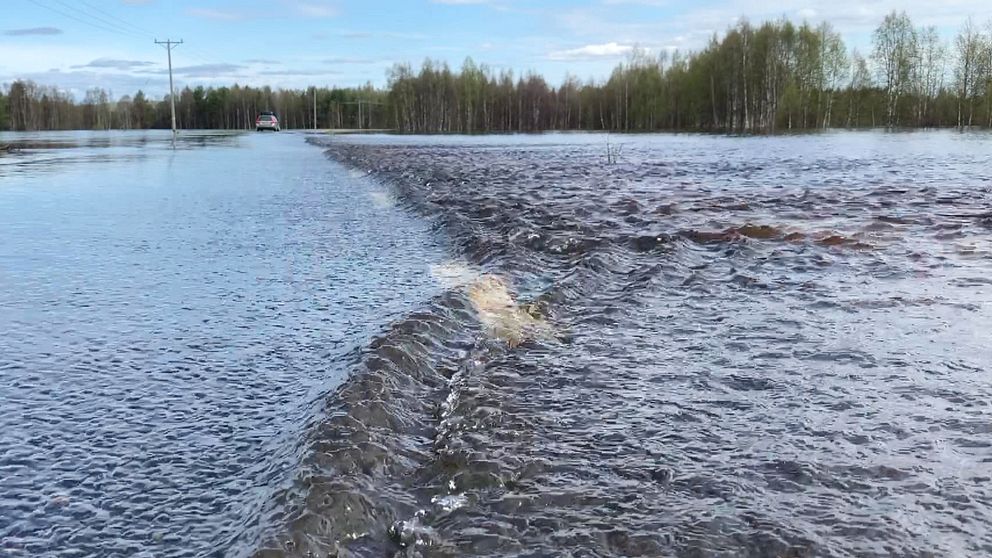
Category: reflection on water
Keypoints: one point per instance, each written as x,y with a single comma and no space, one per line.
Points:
763,347
32,152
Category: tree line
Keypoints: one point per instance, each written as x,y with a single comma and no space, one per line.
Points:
25,105
768,78
754,79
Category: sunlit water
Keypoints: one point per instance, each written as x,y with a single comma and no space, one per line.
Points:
499,346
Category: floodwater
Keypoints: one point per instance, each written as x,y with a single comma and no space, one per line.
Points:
171,323
499,346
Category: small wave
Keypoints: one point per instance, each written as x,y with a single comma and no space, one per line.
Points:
362,458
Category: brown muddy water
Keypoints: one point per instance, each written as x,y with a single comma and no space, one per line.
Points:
715,347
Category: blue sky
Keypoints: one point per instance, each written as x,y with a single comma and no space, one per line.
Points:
77,44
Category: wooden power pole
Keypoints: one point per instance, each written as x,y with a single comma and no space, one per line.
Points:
169,45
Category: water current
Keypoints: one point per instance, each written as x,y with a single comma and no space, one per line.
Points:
501,346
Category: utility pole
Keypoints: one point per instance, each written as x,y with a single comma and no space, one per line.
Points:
314,107
169,45
363,115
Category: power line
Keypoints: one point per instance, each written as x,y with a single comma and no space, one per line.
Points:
105,24
199,55
101,20
124,21
124,28
80,20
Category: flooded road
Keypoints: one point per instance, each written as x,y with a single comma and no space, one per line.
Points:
172,321
499,346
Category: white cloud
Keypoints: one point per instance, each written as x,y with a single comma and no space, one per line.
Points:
299,72
33,31
20,60
608,20
208,70
77,82
605,50
116,64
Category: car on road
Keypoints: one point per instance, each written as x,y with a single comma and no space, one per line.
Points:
267,121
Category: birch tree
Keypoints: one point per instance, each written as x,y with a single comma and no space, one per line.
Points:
930,70
894,44
968,47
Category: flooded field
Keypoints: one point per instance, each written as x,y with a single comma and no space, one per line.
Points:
500,346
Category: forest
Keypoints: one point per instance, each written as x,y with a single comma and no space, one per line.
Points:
768,78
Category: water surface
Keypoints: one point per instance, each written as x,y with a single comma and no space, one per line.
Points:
171,323
497,346
764,347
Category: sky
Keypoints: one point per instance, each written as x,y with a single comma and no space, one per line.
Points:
79,44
